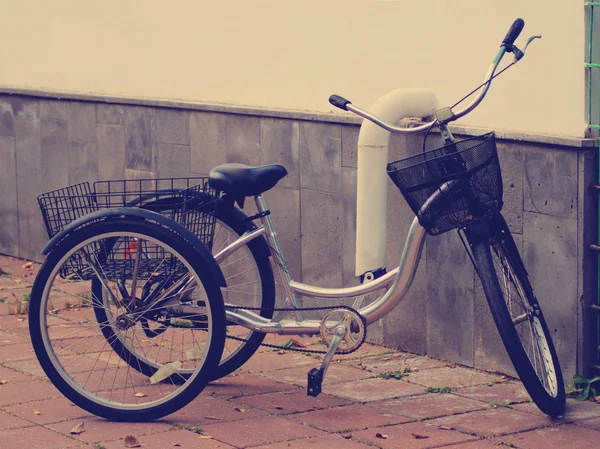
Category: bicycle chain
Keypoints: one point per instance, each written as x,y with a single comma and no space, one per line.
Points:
308,309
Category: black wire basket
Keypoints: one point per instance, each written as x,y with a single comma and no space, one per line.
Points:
188,201
449,187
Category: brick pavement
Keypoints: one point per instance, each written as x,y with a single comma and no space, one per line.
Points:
264,404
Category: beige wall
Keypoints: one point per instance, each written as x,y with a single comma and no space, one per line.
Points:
291,54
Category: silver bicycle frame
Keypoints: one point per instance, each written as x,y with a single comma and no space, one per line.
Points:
397,283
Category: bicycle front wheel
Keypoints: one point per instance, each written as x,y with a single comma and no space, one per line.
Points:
161,303
518,316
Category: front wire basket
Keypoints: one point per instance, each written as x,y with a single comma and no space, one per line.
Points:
188,201
449,187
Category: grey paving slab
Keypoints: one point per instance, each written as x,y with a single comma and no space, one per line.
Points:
550,182
83,162
450,301
9,237
172,126
82,122
54,141
140,138
321,238
550,255
280,144
321,157
111,151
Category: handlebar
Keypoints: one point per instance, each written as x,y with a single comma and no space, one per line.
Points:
506,46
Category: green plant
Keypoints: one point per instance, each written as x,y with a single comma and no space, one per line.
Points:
98,446
392,374
438,389
586,387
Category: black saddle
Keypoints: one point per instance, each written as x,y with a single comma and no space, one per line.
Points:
239,181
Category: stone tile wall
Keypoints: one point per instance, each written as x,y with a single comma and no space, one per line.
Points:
47,144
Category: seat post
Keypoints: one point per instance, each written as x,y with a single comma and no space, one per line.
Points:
286,278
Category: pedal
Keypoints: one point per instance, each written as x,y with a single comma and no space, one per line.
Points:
315,381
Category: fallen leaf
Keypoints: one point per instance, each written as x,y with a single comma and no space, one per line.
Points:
18,281
20,319
211,417
381,435
445,428
27,265
131,441
3,381
419,437
176,444
140,395
240,409
77,429
165,371
281,352
35,412
278,408
347,437
386,359
297,343
205,437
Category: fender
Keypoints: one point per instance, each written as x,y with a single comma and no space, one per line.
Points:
140,214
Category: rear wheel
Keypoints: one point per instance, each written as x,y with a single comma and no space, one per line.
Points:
250,283
519,317
161,304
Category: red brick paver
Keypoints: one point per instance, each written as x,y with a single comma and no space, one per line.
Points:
568,436
430,405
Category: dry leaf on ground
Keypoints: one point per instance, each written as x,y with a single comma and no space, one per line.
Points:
211,417
28,265
35,412
140,395
78,429
3,381
131,441
205,437
381,435
419,436
241,410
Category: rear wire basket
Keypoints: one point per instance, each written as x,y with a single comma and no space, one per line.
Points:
449,187
188,201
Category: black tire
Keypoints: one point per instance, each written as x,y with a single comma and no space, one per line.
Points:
252,260
517,314
81,363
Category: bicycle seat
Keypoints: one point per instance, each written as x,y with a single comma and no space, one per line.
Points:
240,181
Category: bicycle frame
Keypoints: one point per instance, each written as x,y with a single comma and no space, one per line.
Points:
397,283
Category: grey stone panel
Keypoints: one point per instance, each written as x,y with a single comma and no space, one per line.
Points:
551,256
140,138
349,233
321,224
207,140
285,207
350,145
280,144
132,174
172,126
173,161
82,122
32,234
406,326
111,151
450,278
587,284
54,109
83,162
110,114
490,353
7,127
321,157
54,135
550,182
242,139
9,237
511,163
24,107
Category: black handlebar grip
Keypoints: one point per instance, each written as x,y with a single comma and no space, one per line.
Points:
513,33
339,102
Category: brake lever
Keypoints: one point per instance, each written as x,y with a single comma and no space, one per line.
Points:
520,53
